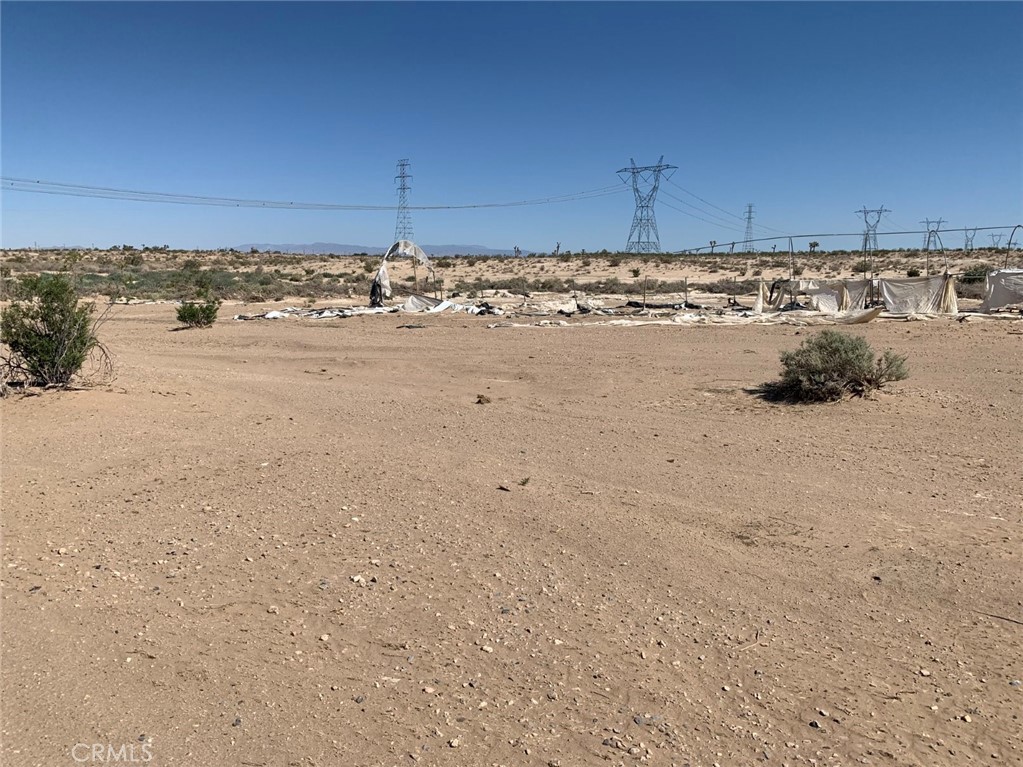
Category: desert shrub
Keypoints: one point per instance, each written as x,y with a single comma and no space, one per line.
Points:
48,336
975,273
198,315
863,265
727,287
832,365
635,271
912,272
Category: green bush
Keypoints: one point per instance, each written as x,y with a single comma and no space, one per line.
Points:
47,334
975,273
198,315
832,365
912,272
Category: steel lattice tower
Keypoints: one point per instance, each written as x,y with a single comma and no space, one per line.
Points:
932,227
996,240
643,237
968,235
871,218
403,228
747,241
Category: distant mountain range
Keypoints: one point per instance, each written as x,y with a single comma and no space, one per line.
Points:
317,248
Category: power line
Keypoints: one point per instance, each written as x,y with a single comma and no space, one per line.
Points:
698,218
893,222
871,218
643,237
111,193
728,212
747,240
968,235
932,232
705,202
697,208
403,226
770,229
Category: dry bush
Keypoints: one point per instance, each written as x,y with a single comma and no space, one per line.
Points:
48,336
830,366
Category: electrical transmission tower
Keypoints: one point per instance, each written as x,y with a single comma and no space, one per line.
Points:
643,237
403,227
871,218
932,229
747,241
996,240
968,235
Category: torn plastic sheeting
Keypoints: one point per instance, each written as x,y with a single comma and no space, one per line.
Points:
419,303
799,318
919,295
316,314
1003,287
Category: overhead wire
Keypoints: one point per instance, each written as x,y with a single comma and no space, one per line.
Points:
893,222
113,193
728,212
693,215
696,208
705,202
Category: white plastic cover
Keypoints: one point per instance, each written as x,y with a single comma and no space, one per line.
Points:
408,248
1004,288
919,295
382,279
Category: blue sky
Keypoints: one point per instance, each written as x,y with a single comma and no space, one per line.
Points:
809,110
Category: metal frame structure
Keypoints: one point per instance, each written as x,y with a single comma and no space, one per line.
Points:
643,237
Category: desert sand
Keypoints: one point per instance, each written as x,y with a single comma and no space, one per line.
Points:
307,543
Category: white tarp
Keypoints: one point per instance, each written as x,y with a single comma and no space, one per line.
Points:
919,295
763,298
383,280
408,248
418,303
316,314
828,296
797,318
824,299
833,296
855,294
1004,288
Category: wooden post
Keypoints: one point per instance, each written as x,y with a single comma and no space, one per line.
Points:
415,276
644,291
686,282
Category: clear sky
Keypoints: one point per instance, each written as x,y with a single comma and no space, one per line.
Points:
809,110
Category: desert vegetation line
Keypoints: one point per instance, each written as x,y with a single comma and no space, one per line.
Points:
716,244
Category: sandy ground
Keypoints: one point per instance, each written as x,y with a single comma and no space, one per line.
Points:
305,543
